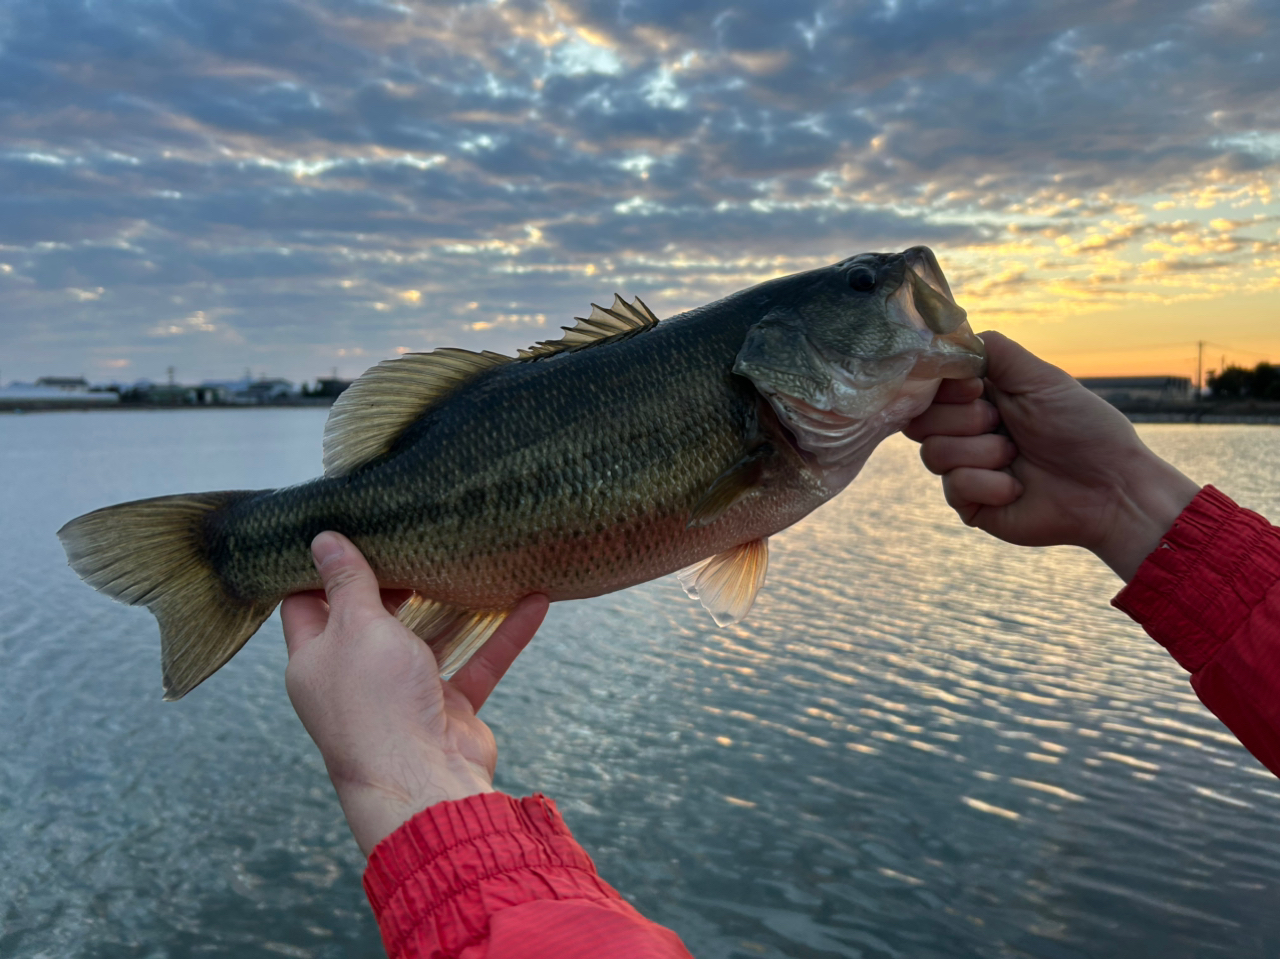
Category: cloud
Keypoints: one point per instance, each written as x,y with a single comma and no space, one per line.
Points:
637,226
241,157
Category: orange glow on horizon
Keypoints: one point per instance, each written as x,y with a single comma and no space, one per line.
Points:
1241,330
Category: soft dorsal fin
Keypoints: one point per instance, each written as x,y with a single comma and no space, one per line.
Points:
378,407
621,317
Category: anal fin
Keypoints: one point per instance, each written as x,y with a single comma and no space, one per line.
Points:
727,583
454,633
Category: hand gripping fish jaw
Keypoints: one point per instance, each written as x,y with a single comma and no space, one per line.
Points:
857,352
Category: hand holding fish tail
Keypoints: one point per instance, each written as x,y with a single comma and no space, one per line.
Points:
395,737
1065,468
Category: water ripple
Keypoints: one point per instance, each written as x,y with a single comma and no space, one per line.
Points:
922,743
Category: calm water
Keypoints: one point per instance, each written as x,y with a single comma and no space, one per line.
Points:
923,744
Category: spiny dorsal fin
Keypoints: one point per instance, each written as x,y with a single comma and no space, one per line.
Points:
378,407
621,317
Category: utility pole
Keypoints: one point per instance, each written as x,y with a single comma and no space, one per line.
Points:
1199,369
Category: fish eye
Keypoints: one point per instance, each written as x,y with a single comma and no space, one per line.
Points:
862,279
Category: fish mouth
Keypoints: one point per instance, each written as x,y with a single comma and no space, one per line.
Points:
924,302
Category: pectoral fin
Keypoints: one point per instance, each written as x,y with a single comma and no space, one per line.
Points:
452,632
739,480
727,583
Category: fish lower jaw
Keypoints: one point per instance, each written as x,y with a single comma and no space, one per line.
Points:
955,356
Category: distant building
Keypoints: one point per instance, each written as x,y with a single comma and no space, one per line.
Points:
211,393
222,392
208,395
330,388
164,394
1139,389
261,392
242,392
69,383
43,395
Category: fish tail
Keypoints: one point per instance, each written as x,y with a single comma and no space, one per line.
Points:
153,553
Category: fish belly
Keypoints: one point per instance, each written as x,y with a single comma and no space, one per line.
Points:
570,564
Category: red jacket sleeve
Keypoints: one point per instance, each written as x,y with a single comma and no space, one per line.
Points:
492,877
1210,594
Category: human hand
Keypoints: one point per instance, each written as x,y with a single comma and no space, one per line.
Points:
395,737
1071,469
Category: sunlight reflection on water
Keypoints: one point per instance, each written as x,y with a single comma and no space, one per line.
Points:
922,743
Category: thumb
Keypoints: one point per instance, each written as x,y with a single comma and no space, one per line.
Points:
349,584
1012,368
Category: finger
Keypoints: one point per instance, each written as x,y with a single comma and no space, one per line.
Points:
965,487
304,616
990,451
1015,369
959,391
969,419
349,583
477,679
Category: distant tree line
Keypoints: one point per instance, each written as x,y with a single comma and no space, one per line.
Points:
1235,382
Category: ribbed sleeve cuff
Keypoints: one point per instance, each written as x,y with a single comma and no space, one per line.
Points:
435,881
1212,567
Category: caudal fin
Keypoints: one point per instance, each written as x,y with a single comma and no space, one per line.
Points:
152,553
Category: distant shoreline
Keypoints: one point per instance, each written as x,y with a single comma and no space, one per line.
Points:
1210,412
74,406
1207,418
1235,412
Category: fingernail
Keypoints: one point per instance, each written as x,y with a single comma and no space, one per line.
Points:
326,548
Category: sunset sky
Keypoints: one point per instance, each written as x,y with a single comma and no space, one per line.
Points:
290,186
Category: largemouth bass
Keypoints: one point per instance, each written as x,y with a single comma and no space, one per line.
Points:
627,450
